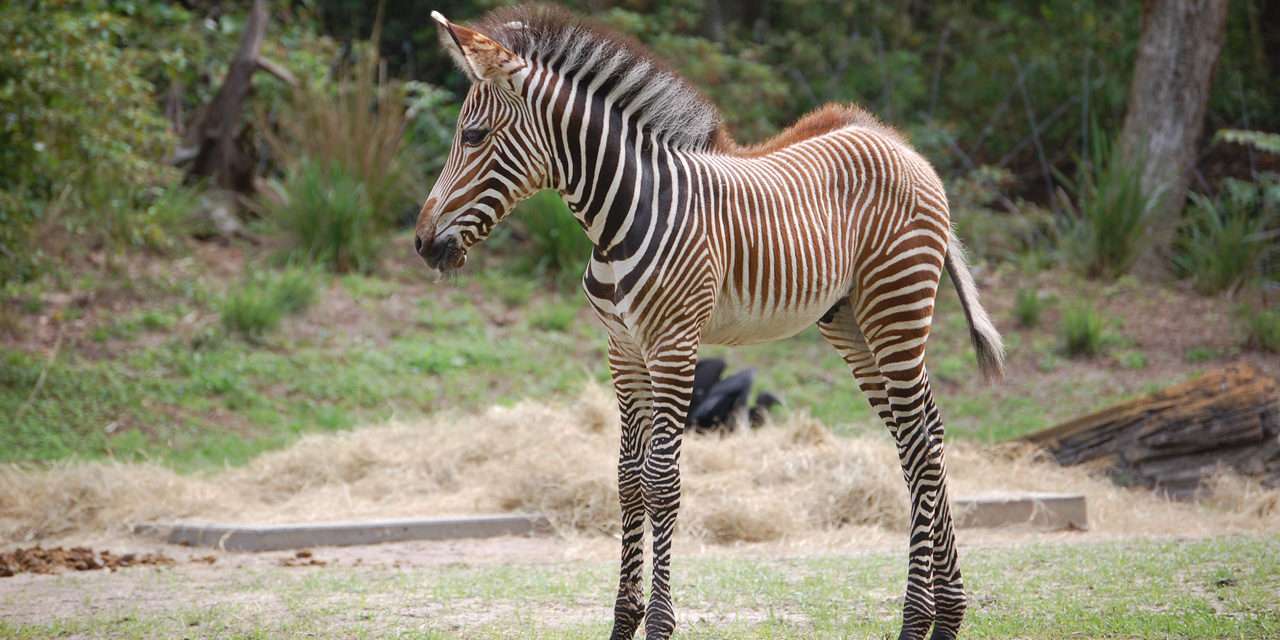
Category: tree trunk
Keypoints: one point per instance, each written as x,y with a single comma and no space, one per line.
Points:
1177,51
213,143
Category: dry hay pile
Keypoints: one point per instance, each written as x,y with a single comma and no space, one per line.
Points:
783,481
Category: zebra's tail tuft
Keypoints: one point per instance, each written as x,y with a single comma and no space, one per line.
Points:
986,340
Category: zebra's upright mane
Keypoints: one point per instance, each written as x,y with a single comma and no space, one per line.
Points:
673,107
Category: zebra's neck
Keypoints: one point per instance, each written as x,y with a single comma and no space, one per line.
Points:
620,181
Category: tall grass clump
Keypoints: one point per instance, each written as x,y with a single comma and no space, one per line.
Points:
1229,240
1103,228
1262,329
557,243
256,306
1082,331
357,123
329,217
1028,307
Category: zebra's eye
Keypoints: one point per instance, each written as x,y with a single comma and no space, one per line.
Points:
473,137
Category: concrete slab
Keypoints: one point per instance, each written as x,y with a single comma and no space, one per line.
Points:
1045,510
249,537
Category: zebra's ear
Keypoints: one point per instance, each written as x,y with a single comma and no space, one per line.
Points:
478,55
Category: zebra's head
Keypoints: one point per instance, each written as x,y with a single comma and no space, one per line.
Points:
497,157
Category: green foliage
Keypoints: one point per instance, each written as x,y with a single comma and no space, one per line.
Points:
554,317
1200,354
1131,359
1103,228
1228,240
431,113
1028,307
1263,141
329,218
81,138
557,243
1262,329
1082,331
258,304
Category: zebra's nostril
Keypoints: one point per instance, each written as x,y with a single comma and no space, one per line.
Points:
417,243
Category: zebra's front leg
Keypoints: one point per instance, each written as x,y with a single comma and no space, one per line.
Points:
632,385
671,368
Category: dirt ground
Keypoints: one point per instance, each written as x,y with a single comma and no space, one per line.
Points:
28,598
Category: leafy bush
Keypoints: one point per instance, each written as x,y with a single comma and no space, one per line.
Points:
1263,141
329,217
1082,331
1027,308
1262,329
258,304
1227,240
80,133
557,242
1103,229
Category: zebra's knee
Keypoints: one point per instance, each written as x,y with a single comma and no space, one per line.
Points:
660,486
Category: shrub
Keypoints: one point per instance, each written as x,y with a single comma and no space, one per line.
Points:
1262,329
1082,331
557,242
1103,229
1027,307
258,304
1225,242
328,216
80,134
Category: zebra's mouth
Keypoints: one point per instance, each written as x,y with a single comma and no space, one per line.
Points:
445,255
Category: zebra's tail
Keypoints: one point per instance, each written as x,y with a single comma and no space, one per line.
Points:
986,340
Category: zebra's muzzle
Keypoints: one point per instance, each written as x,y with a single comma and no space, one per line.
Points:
442,255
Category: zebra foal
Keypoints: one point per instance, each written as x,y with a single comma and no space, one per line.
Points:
837,221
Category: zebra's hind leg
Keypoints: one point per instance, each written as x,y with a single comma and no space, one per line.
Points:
632,385
948,587
905,405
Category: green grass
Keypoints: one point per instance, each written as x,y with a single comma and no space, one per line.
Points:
258,304
1028,306
1082,331
1207,588
1262,329
206,399
164,380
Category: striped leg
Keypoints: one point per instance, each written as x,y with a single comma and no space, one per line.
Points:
671,366
903,401
948,587
632,385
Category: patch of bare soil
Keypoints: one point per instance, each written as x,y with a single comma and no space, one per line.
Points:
40,560
64,316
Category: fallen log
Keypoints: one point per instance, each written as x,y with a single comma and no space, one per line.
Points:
1174,439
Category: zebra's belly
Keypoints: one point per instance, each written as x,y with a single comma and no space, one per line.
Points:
735,322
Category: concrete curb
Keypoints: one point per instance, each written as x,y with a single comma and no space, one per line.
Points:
248,537
1045,510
